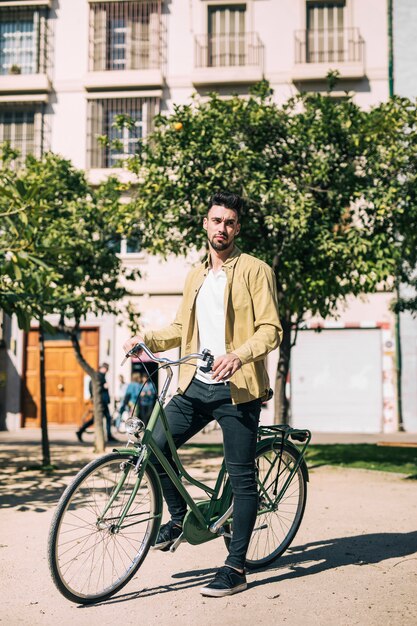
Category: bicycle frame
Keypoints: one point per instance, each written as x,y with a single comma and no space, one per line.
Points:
143,452
217,505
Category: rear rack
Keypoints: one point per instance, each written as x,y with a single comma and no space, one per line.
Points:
301,435
279,434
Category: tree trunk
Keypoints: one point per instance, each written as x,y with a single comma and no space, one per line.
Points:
3,374
282,404
99,443
46,457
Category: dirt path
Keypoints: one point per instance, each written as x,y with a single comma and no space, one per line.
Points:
354,560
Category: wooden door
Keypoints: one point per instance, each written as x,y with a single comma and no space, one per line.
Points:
65,402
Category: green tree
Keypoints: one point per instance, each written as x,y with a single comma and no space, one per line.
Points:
58,255
301,170
391,169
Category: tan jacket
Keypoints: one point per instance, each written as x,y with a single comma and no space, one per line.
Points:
252,324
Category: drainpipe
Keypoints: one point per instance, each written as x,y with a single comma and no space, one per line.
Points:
390,51
397,282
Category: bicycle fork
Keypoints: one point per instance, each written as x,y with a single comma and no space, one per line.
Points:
126,467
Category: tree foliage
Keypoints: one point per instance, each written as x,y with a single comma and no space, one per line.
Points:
318,182
57,248
58,242
392,188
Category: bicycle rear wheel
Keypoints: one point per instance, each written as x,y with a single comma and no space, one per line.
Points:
276,524
89,558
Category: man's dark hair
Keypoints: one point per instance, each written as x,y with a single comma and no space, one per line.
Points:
228,200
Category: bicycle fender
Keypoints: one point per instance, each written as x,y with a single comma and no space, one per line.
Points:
266,444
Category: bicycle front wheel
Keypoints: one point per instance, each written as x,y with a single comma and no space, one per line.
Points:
90,557
277,523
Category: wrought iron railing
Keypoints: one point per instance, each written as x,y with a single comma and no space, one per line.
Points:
125,35
231,50
332,45
25,40
103,115
25,127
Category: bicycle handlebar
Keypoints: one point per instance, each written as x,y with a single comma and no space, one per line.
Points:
205,356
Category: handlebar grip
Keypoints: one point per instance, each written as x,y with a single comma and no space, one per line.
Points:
209,358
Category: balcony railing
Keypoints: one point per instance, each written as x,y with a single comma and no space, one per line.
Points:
231,50
329,46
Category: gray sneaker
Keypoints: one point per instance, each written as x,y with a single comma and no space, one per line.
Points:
226,582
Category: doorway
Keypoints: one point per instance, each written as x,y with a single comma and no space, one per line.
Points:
65,378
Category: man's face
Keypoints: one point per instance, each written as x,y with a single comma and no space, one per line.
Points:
222,227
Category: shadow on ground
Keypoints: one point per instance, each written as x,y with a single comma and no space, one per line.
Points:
304,560
24,486
319,556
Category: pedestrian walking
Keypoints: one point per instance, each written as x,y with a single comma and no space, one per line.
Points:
105,397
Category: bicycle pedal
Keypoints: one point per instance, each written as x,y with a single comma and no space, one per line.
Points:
221,532
260,527
177,542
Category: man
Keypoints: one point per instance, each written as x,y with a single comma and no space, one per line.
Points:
230,307
104,392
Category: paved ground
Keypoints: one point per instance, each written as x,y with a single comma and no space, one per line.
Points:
354,560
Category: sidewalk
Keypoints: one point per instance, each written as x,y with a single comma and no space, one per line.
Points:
62,434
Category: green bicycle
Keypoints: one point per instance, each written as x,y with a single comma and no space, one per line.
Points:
109,516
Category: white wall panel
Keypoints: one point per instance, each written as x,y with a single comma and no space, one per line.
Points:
336,381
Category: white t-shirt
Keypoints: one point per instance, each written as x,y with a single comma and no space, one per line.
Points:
211,320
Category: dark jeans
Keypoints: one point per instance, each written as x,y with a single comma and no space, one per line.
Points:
187,414
91,422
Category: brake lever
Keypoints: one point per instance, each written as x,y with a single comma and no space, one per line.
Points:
129,354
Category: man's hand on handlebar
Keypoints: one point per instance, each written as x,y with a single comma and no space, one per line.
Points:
131,343
132,347
225,366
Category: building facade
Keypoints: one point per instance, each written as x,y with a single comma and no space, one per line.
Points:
69,68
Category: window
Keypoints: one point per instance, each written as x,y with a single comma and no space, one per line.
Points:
128,139
23,128
103,115
131,245
117,49
23,41
125,35
226,36
326,35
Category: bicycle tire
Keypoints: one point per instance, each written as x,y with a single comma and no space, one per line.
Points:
87,560
281,525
